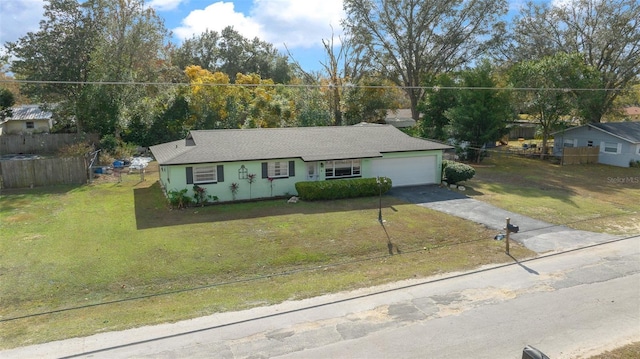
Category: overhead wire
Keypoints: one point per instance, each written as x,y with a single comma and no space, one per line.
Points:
328,85
305,269
418,249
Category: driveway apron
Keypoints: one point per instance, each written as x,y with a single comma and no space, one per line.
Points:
536,235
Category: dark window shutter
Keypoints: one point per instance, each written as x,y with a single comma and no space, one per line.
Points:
220,173
189,175
265,170
292,168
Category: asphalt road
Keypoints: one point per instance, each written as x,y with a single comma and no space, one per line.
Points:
567,304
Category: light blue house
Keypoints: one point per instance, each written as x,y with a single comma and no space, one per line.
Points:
267,162
619,142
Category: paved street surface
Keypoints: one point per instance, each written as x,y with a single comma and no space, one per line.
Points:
567,305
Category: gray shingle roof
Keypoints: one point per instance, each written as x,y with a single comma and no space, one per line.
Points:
307,143
629,131
400,118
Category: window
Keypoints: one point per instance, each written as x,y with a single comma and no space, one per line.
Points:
205,174
589,143
638,149
610,147
278,169
342,168
31,124
569,142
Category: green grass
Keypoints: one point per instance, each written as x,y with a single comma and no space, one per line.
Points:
592,197
77,248
80,247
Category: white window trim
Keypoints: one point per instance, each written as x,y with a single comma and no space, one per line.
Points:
570,142
330,165
603,147
283,167
207,174
638,149
33,125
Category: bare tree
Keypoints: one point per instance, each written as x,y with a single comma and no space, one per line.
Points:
408,40
605,32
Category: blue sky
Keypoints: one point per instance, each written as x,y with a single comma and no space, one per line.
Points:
299,24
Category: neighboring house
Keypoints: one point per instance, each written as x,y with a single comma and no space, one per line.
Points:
27,119
632,113
619,142
280,157
400,118
521,129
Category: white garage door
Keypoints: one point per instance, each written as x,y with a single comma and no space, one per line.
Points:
407,171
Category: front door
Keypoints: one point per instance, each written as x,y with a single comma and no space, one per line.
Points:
312,171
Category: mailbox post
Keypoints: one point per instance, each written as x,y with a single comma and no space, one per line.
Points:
507,229
510,228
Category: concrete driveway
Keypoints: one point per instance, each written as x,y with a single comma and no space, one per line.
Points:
536,235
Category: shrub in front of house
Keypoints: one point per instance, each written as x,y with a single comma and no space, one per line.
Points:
179,199
342,188
455,172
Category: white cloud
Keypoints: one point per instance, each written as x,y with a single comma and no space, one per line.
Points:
296,23
164,5
216,17
18,17
561,3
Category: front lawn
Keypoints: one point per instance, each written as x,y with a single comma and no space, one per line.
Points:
592,197
108,256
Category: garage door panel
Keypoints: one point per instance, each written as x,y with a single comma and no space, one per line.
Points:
406,171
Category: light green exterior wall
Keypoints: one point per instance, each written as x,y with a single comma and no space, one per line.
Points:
174,178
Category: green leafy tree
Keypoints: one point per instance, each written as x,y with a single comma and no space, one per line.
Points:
438,99
549,99
408,40
130,50
90,41
311,107
60,50
482,111
370,100
605,32
231,53
6,101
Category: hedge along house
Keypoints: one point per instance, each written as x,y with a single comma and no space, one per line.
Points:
277,158
619,142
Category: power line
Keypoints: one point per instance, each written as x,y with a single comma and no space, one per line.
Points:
344,86
360,296
295,271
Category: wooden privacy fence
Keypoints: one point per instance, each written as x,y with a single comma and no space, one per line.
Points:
580,155
42,142
42,172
